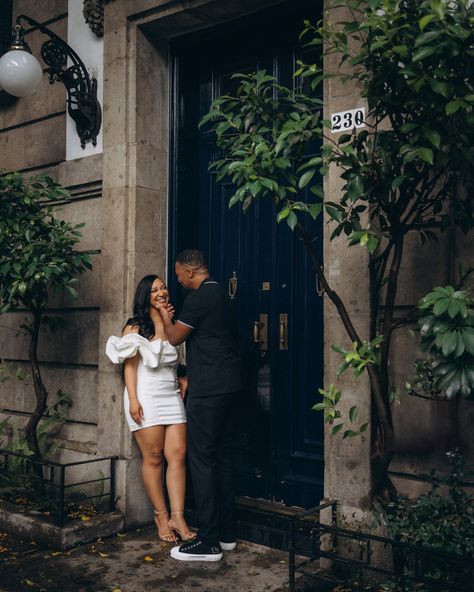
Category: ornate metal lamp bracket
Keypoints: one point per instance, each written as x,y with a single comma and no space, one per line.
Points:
82,103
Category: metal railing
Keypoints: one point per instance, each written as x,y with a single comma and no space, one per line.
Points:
340,555
50,479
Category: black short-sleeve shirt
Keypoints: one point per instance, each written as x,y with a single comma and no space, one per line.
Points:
212,349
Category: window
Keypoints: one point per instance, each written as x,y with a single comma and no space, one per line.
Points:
6,17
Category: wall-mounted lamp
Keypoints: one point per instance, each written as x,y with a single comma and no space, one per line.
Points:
20,75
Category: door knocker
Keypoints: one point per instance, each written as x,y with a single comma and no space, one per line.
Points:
233,283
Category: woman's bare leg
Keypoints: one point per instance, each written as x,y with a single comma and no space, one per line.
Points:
175,454
151,443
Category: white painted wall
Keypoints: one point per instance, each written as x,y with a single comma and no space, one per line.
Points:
91,51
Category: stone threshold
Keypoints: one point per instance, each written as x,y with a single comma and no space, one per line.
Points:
32,525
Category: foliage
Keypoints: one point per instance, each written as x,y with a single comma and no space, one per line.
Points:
329,404
36,249
438,519
412,61
446,327
360,356
37,257
18,481
442,518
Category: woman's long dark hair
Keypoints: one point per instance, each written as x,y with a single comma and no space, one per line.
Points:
141,308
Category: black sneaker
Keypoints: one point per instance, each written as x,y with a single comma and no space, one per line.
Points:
196,550
228,544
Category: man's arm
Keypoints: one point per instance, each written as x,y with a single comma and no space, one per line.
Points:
177,333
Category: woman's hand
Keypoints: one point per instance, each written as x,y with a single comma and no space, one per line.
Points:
183,386
136,411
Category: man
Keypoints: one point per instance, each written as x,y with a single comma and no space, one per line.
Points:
213,363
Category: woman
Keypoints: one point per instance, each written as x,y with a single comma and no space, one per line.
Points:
153,403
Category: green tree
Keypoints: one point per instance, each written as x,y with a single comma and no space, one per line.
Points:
37,258
409,172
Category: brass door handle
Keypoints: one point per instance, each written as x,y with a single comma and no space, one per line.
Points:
283,333
319,288
256,331
260,332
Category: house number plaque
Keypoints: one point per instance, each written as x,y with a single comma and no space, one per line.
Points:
347,120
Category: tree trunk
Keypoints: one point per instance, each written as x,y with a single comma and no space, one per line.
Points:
40,390
383,454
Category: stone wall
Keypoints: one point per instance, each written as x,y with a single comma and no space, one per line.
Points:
32,141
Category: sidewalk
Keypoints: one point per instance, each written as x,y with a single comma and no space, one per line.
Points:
135,561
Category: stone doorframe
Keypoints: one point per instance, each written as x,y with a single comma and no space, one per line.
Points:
136,144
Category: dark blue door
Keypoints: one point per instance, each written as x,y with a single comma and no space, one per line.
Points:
279,439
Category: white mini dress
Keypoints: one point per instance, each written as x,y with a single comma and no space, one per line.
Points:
157,384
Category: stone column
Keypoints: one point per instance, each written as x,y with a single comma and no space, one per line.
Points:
134,214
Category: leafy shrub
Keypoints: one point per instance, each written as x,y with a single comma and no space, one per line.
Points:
442,519
446,327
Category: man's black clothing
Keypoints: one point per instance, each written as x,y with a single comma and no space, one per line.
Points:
212,350
214,379
209,430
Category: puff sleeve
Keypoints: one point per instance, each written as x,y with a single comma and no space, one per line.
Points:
118,349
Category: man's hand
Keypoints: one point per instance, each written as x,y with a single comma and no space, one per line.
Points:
169,308
183,386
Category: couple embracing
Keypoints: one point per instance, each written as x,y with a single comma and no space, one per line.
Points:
153,348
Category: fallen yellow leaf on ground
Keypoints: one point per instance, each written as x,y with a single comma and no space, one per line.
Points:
148,558
85,518
103,554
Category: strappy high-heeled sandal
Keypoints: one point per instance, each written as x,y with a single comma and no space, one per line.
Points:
185,536
167,537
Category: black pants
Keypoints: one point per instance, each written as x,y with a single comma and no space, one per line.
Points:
209,432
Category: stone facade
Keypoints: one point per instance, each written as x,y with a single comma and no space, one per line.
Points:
122,196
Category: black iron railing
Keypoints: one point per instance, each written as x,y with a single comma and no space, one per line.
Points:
330,553
52,481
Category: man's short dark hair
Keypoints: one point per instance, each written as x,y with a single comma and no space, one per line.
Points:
192,258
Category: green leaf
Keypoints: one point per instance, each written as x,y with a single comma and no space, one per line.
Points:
433,136
441,306
440,87
428,37
449,342
353,413
349,434
315,209
425,21
292,220
423,53
337,428
426,154
317,190
282,214
306,178
398,181
373,4
333,212
452,107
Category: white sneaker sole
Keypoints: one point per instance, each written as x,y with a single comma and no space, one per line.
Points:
176,554
228,546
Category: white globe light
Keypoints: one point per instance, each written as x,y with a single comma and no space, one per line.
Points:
20,73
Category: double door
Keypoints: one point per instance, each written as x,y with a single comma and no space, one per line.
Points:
278,442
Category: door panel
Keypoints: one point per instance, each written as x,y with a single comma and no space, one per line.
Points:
278,442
